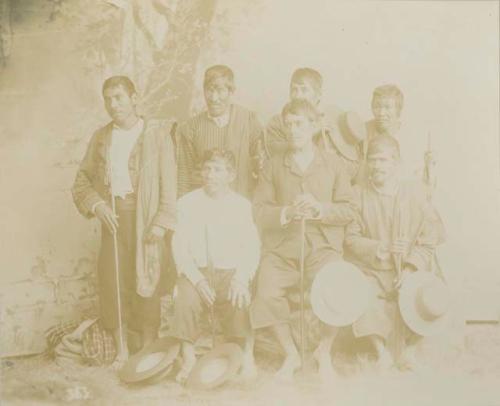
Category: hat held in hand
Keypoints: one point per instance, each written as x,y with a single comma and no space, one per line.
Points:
340,294
424,303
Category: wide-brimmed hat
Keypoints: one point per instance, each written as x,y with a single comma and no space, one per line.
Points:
215,367
154,361
424,303
340,294
350,131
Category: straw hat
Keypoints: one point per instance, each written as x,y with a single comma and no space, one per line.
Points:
154,361
424,303
340,294
216,367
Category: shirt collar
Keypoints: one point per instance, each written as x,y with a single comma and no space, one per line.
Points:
138,126
222,120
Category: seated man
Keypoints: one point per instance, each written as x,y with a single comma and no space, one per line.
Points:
305,182
396,227
216,249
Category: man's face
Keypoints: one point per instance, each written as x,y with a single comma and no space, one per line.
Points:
385,111
382,166
218,97
216,176
119,104
305,91
300,130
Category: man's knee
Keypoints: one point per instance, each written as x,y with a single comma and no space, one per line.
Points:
186,296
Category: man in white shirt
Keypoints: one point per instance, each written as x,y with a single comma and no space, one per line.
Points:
216,249
130,166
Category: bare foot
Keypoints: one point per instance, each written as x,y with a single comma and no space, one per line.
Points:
325,368
408,362
290,365
384,362
248,368
188,362
119,361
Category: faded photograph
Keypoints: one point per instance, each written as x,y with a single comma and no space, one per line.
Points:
230,202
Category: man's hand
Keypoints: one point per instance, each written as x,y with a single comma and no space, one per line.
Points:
206,292
308,203
104,213
238,294
404,274
400,246
304,206
155,234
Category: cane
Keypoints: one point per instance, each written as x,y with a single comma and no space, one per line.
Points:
117,274
302,318
210,269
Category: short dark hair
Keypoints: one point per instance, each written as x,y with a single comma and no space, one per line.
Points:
123,81
389,90
217,154
382,142
301,107
308,75
219,71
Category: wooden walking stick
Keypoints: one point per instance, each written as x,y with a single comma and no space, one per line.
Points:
302,316
117,273
210,269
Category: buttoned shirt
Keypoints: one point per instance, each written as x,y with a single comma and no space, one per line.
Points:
122,143
219,231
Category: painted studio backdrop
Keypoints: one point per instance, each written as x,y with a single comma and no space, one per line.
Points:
56,53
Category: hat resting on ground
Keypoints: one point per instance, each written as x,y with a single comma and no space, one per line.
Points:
216,367
151,363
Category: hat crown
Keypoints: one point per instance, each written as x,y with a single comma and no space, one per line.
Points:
432,300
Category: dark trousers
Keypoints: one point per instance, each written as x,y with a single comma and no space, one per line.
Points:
138,312
190,310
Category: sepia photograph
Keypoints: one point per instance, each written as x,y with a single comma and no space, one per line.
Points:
250,202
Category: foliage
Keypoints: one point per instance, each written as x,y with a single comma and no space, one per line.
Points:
164,71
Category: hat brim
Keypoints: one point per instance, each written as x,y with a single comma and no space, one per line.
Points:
230,353
340,294
345,149
134,371
408,306
349,127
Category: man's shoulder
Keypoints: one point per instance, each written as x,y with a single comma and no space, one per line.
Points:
414,188
101,132
191,199
239,200
193,122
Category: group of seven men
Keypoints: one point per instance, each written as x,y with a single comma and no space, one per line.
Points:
232,196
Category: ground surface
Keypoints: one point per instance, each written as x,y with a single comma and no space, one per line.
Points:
469,376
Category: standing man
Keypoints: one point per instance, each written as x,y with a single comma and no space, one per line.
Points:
387,106
334,134
395,233
216,249
223,125
128,180
305,182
